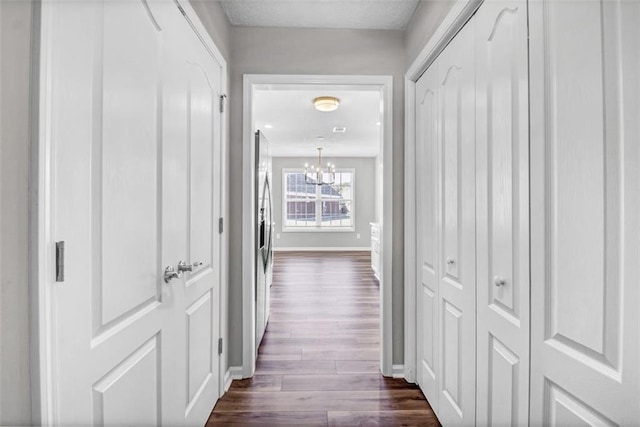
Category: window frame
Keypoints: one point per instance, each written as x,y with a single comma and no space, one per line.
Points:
318,228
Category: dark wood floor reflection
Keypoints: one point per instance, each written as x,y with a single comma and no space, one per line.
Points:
318,363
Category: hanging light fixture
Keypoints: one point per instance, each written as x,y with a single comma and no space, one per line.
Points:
315,174
326,103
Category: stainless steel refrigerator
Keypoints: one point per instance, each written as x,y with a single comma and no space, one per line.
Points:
264,234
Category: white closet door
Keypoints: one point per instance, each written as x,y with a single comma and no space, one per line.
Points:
456,252
133,145
502,184
585,228
428,372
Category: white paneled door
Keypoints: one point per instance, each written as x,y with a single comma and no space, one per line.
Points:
502,183
446,305
134,131
457,211
585,228
428,355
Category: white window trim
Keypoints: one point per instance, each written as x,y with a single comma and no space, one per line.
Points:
317,228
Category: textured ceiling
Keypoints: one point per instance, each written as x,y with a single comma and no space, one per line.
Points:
292,125
355,14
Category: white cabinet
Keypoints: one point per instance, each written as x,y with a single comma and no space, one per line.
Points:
375,249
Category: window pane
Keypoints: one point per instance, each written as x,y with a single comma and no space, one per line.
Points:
336,213
301,213
342,186
297,187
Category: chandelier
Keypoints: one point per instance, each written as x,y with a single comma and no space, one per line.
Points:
315,174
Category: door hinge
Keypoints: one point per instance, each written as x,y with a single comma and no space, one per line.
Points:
219,346
222,98
220,225
182,10
60,261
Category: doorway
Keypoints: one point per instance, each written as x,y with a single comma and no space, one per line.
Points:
254,85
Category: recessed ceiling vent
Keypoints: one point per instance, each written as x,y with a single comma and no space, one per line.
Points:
339,129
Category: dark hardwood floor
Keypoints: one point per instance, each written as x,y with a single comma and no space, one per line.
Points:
318,363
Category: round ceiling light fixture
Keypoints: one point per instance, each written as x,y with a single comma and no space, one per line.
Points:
326,103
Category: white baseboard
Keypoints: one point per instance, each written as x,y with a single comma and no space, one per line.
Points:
397,371
323,249
233,373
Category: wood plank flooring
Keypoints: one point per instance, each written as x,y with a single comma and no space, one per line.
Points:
318,364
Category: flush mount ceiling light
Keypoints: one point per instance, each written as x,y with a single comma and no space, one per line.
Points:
326,103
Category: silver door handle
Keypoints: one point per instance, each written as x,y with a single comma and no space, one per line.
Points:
170,273
499,281
451,261
183,266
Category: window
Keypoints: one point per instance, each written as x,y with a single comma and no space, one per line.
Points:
311,207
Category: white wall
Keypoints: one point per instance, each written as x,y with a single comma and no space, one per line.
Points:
423,23
15,57
363,206
215,21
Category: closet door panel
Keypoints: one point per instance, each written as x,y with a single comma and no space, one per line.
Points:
427,288
456,255
502,213
585,213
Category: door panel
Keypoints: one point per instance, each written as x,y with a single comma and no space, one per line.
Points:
567,410
452,356
505,385
129,394
200,346
428,370
584,179
201,99
126,147
502,213
457,293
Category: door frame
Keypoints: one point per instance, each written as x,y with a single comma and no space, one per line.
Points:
41,195
253,82
457,17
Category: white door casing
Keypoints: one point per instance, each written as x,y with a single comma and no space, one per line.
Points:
456,225
253,82
585,200
427,338
502,197
132,125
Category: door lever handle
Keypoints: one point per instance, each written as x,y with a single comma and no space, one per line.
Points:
183,266
170,273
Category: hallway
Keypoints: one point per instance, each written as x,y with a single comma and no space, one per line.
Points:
318,363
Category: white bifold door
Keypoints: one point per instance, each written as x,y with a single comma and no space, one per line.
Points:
446,302
133,129
473,222
585,213
502,183
528,215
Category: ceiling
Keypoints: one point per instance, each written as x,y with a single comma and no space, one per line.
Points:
294,128
355,14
